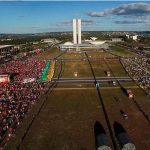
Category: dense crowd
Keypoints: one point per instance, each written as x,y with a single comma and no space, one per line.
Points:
23,69
139,69
17,97
142,53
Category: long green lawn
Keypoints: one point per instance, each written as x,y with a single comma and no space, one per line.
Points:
121,51
49,54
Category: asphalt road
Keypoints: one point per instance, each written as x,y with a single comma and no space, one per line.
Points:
90,80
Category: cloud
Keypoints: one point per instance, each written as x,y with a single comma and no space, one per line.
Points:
135,20
87,22
21,16
48,29
63,23
128,22
97,14
36,27
66,23
133,9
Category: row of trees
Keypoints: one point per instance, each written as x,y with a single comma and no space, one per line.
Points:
20,41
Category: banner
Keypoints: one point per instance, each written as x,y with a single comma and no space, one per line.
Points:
27,80
45,72
4,78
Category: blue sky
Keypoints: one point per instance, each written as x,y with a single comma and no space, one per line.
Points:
53,16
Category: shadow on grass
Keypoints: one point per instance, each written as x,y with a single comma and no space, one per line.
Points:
122,136
101,138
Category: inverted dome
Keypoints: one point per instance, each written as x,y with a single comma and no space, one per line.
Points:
97,42
68,43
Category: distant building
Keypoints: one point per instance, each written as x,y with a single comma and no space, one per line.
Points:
5,39
47,40
94,45
35,43
116,39
93,38
8,50
50,41
128,36
76,31
79,44
133,37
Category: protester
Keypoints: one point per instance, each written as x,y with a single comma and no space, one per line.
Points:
139,69
19,95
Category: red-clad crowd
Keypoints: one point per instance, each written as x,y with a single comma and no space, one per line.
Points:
29,68
18,97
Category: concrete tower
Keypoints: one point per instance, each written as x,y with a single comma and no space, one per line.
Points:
79,31
74,31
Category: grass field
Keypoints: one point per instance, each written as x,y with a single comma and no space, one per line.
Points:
121,51
99,54
53,52
49,54
71,55
68,116
83,69
66,121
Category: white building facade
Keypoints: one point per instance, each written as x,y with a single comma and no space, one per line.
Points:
76,31
78,44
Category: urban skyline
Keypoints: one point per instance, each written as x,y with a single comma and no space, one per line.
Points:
38,17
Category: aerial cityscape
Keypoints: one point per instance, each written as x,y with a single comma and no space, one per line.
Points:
75,75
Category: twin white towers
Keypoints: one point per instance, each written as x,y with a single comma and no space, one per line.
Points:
76,31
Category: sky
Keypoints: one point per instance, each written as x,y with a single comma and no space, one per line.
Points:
54,16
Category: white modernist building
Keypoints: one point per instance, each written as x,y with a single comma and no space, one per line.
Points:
76,31
133,37
78,44
79,31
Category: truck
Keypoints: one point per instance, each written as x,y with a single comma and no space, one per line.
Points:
114,83
108,73
129,93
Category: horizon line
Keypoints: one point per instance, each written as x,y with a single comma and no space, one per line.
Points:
82,31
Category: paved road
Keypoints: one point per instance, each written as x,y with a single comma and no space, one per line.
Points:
92,88
84,59
91,80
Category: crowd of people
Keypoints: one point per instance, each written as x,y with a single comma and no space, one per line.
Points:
139,70
19,95
29,68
